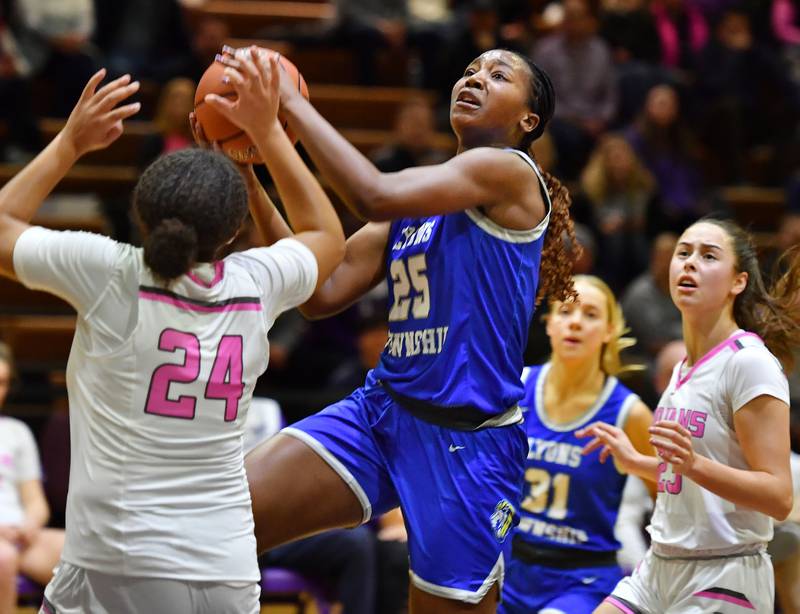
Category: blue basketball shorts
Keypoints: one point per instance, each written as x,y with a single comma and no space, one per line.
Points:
532,589
458,490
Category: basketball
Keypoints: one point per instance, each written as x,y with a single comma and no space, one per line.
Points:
233,140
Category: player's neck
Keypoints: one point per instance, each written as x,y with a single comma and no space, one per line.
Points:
569,380
701,335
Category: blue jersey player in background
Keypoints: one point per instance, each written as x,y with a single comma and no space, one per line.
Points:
564,549
437,426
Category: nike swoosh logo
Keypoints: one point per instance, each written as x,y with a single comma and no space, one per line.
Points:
589,580
453,448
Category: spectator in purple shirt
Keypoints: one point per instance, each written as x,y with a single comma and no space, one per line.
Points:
580,65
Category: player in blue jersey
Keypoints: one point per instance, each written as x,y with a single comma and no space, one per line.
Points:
564,549
437,426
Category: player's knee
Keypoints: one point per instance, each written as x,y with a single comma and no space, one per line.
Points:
9,560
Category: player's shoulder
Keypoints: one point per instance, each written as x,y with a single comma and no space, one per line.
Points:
497,163
14,426
751,355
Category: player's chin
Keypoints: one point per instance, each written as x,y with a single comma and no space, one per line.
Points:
463,116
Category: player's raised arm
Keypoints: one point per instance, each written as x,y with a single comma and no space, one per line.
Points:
311,214
484,176
360,271
95,123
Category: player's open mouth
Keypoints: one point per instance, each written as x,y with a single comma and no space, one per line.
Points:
467,100
685,282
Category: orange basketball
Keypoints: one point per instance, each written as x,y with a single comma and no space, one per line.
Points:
233,140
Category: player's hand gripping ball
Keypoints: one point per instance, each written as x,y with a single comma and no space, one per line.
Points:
217,129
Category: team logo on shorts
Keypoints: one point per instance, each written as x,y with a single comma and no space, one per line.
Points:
503,519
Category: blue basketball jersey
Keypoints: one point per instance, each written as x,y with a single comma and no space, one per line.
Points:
462,291
570,500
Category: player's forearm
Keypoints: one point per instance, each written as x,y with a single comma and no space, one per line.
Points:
269,222
645,467
21,197
757,490
37,513
354,178
307,206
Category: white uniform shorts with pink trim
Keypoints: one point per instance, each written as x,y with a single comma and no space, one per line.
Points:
75,590
736,584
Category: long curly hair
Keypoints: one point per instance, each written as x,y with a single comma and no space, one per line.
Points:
558,258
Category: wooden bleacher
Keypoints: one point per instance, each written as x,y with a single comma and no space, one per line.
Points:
39,342
755,208
333,65
245,18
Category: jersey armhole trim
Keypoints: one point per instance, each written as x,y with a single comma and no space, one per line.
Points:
507,234
625,410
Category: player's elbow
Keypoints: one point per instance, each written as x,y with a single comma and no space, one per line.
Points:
311,311
317,307
782,506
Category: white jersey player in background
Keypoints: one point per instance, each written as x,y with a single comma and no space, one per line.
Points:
168,346
721,431
26,546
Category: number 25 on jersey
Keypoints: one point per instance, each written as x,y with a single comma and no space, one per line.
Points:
409,278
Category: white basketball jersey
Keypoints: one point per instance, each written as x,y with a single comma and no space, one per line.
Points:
704,399
159,381
19,463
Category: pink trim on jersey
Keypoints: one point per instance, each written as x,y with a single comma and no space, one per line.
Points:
219,271
175,302
742,603
729,342
619,605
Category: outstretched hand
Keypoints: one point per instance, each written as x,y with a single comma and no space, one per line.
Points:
96,120
612,441
256,79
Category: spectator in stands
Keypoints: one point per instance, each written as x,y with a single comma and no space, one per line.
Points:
664,142
207,38
653,318
682,32
785,21
620,190
630,30
23,140
25,545
476,29
52,40
412,141
175,103
741,93
582,71
146,38
40,38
